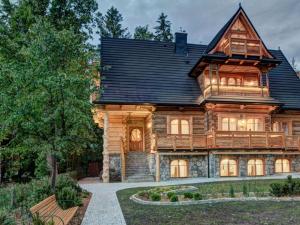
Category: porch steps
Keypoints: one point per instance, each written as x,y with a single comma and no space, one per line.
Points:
137,169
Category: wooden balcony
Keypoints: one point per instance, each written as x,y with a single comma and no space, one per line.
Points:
229,140
245,47
236,91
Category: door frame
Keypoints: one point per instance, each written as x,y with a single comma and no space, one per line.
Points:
136,124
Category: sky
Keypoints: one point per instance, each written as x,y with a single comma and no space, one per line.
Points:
276,21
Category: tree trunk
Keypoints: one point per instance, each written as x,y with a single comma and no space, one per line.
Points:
53,168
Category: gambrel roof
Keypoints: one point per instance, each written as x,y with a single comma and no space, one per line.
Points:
149,72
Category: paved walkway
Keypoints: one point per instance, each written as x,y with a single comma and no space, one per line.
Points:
104,208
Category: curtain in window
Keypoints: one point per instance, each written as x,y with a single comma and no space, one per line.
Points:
175,126
179,168
228,167
255,167
282,166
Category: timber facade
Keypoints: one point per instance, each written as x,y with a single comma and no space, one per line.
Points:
175,110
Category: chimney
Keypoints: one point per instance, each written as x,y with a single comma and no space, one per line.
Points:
181,43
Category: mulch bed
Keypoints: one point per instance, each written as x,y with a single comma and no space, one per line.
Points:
77,219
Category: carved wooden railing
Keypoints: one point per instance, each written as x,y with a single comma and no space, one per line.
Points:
242,46
123,159
228,139
239,91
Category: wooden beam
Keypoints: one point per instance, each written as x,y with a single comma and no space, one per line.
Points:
157,161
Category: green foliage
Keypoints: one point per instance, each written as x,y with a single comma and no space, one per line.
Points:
170,194
37,220
110,25
64,180
245,190
174,198
143,33
188,195
197,196
5,219
163,29
289,187
67,197
155,197
276,189
231,192
144,194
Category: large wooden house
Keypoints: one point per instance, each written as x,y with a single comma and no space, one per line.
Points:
173,110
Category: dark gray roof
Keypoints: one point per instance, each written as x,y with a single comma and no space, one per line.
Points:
149,72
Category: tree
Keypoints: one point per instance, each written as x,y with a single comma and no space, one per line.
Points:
163,29
143,33
46,82
110,25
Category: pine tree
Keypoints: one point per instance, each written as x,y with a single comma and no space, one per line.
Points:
143,33
110,25
163,29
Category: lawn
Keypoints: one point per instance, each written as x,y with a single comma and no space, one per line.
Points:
251,212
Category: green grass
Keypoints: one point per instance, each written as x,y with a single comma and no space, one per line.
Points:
251,212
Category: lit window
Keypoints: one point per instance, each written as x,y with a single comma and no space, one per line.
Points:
254,125
136,135
174,126
185,128
229,124
180,126
231,81
251,81
241,125
228,168
276,127
179,168
223,81
225,124
255,167
238,82
282,166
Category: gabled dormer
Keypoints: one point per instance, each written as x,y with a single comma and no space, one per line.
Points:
239,37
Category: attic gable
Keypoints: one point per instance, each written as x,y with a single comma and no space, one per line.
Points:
239,36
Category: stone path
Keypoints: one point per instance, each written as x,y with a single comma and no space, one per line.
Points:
104,208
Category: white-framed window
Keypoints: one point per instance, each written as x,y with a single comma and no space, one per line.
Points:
234,123
228,168
179,168
282,166
179,126
255,167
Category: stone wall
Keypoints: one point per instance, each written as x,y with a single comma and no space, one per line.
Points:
114,167
197,165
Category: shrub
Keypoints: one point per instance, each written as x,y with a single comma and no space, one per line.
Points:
174,198
276,189
170,194
36,220
5,219
40,189
197,196
231,192
144,194
65,180
67,197
155,197
188,195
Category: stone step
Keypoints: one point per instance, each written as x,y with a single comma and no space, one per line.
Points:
140,178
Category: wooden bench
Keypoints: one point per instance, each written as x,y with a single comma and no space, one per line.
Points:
48,210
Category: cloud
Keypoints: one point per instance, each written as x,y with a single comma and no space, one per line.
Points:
276,21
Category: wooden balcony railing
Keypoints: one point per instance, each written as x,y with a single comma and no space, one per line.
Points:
228,139
246,91
242,47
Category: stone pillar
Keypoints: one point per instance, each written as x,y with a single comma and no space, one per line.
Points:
105,174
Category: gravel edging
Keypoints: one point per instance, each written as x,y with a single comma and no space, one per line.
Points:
217,200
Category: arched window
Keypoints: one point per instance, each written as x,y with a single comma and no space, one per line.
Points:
179,168
180,126
185,128
175,126
223,81
255,167
238,82
228,168
282,166
231,81
136,135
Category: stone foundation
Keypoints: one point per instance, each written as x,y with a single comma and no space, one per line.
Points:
197,165
114,167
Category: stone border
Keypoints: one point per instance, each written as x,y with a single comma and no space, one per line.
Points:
215,200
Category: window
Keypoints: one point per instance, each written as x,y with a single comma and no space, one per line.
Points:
223,81
240,124
282,166
179,168
136,135
228,168
251,81
180,126
231,81
276,127
255,167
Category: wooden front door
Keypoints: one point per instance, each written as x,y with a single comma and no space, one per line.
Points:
136,141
